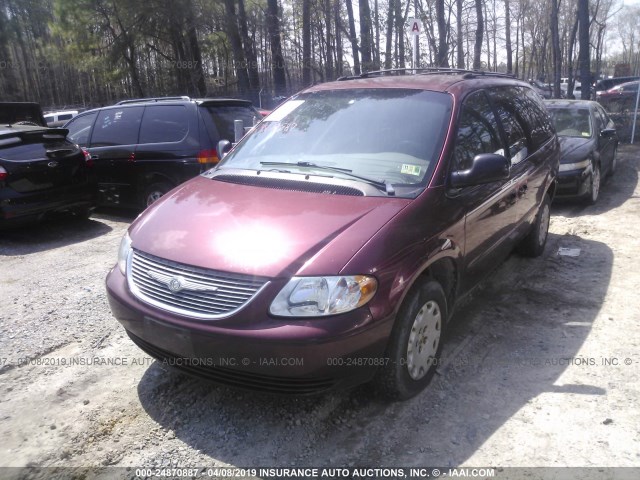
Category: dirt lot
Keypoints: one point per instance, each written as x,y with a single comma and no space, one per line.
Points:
540,369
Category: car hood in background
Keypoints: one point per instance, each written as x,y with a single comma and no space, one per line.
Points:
260,231
571,147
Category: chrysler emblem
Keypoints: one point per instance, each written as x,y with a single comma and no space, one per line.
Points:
52,164
177,283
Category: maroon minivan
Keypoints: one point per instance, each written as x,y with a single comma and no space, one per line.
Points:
329,247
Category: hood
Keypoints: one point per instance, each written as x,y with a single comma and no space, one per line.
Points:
570,147
260,231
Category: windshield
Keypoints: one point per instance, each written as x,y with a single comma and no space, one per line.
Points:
571,122
387,136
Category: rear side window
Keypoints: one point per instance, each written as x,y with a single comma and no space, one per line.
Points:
164,123
117,126
477,131
80,129
66,116
223,117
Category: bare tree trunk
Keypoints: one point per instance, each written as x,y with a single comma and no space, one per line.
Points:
555,48
477,48
388,58
365,35
584,59
306,43
353,38
250,54
236,46
507,31
338,24
459,37
273,26
443,52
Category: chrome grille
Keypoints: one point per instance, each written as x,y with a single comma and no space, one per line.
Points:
187,290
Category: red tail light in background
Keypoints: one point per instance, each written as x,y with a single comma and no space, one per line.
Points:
87,157
207,156
3,174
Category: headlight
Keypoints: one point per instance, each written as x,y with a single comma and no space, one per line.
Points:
123,253
320,296
565,167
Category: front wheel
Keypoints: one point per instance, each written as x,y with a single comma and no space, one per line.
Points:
415,345
533,244
591,197
614,162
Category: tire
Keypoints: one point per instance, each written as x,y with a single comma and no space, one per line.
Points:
153,193
591,197
614,163
533,244
82,213
415,345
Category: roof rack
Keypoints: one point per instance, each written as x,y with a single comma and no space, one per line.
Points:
428,71
153,99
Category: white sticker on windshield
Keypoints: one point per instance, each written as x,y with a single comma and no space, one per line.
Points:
410,169
282,111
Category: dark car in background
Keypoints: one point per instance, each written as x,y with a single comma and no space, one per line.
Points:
41,172
21,113
143,148
330,246
588,141
608,83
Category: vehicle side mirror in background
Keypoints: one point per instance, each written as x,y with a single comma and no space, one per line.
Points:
608,132
238,130
486,168
223,148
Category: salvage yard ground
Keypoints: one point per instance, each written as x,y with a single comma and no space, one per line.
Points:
540,367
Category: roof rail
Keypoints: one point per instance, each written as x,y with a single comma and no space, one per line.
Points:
428,71
153,99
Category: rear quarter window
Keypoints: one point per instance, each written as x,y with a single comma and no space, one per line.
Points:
223,116
80,129
164,124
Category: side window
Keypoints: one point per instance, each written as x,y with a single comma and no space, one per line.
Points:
601,119
477,131
80,129
506,103
117,126
66,116
164,123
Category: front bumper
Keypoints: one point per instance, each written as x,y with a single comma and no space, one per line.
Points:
257,352
574,183
17,208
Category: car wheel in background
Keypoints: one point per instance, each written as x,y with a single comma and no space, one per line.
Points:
154,191
533,244
614,162
591,197
416,343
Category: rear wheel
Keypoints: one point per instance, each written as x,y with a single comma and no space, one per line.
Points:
415,344
533,244
154,192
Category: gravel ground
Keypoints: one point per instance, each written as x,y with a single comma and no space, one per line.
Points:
540,366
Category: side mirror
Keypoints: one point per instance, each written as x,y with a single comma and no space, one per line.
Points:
486,168
238,130
608,132
223,148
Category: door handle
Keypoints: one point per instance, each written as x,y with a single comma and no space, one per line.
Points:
95,157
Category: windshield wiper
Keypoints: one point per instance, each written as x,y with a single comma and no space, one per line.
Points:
384,185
